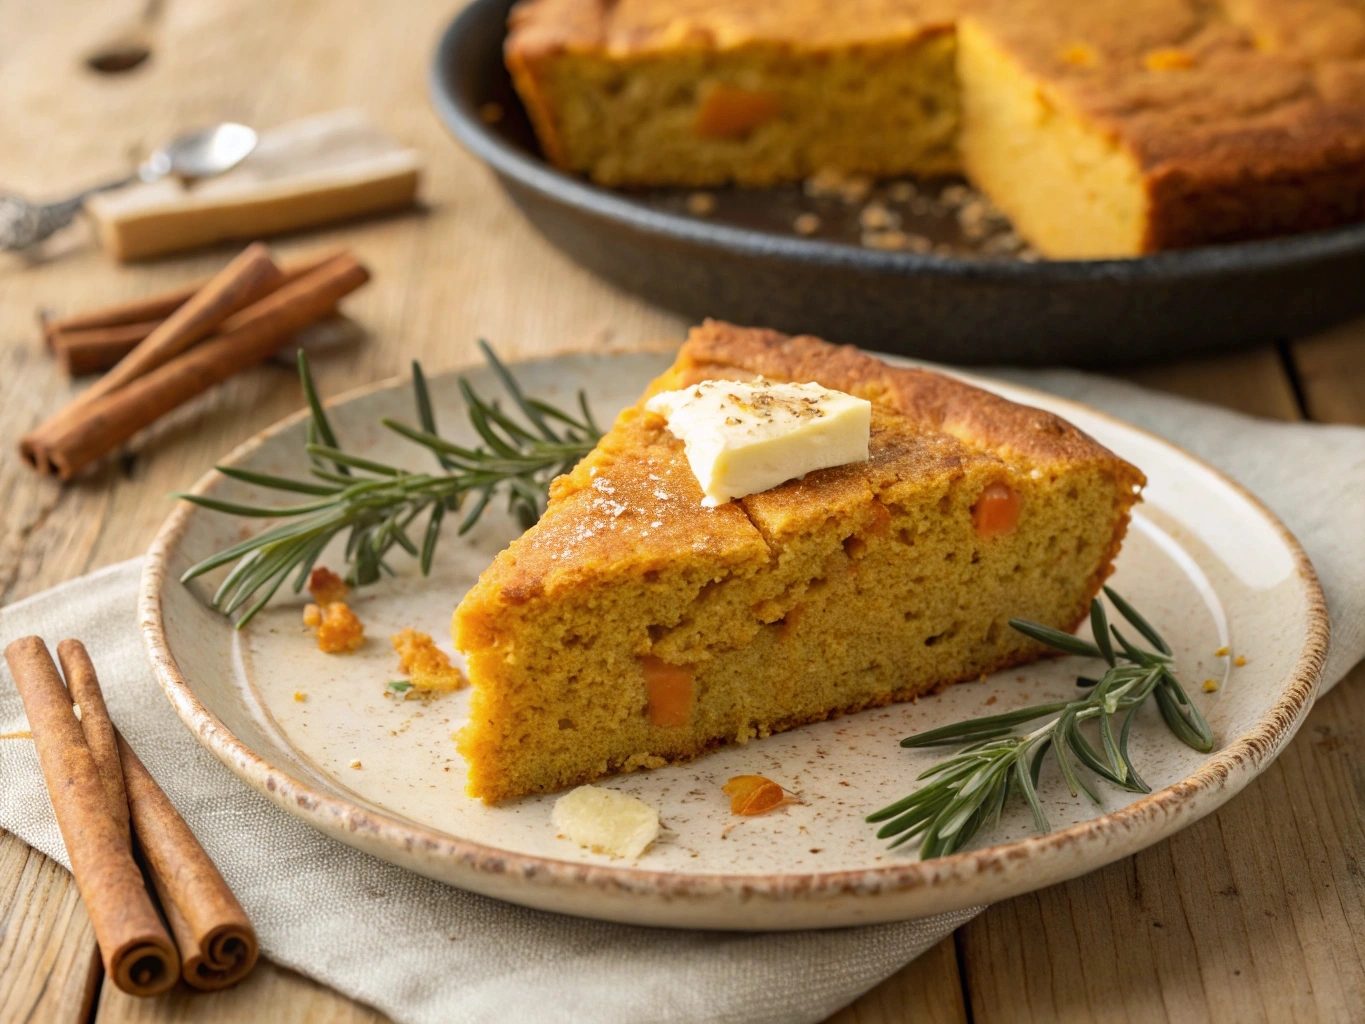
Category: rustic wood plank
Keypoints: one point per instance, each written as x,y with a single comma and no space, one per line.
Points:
269,993
49,964
1252,382
1331,372
925,991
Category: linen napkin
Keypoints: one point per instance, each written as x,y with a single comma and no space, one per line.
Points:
424,952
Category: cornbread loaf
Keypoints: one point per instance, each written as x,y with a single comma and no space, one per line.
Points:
1101,127
633,626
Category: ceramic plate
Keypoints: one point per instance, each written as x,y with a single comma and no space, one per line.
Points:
1210,566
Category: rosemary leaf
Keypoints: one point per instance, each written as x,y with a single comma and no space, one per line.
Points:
374,504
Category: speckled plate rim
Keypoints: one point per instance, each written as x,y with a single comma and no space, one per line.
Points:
962,880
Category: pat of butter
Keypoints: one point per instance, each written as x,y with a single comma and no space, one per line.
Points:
605,821
741,438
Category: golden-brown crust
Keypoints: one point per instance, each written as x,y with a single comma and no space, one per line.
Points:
624,28
931,400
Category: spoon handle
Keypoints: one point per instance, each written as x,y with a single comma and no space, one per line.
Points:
24,223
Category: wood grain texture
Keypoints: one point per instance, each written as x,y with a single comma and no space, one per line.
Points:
49,964
1331,372
468,265
1252,382
270,993
924,991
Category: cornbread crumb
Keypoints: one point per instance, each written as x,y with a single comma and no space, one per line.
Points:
491,113
876,217
1240,660
427,667
1222,652
902,191
355,763
832,183
338,629
300,696
1210,685
605,821
326,586
753,794
806,224
701,204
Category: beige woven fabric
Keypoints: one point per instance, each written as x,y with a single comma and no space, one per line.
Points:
423,952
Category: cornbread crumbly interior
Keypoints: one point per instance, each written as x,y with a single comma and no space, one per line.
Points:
850,588
1101,127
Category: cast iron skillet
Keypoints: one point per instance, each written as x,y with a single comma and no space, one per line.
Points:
961,310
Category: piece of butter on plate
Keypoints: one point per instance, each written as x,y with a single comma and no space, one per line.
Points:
742,437
605,821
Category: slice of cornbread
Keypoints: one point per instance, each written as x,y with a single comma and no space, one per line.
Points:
633,625
1101,127
700,93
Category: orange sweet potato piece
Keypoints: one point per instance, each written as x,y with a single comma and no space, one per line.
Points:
729,112
670,692
996,512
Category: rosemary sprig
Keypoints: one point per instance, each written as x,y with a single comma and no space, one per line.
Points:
970,789
378,504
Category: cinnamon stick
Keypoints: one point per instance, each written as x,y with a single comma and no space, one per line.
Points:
93,346
155,308
218,946
96,349
249,276
96,725
247,338
217,943
138,954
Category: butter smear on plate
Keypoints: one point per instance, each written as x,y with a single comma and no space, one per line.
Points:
745,437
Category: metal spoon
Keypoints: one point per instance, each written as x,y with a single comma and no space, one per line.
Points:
200,154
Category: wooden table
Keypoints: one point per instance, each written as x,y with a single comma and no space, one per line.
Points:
1255,913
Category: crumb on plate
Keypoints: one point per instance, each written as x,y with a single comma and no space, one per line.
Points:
427,667
338,629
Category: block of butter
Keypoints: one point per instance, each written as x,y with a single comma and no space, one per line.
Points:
605,821
307,172
744,437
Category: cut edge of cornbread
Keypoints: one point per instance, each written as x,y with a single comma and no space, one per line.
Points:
754,114
632,627
1072,189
